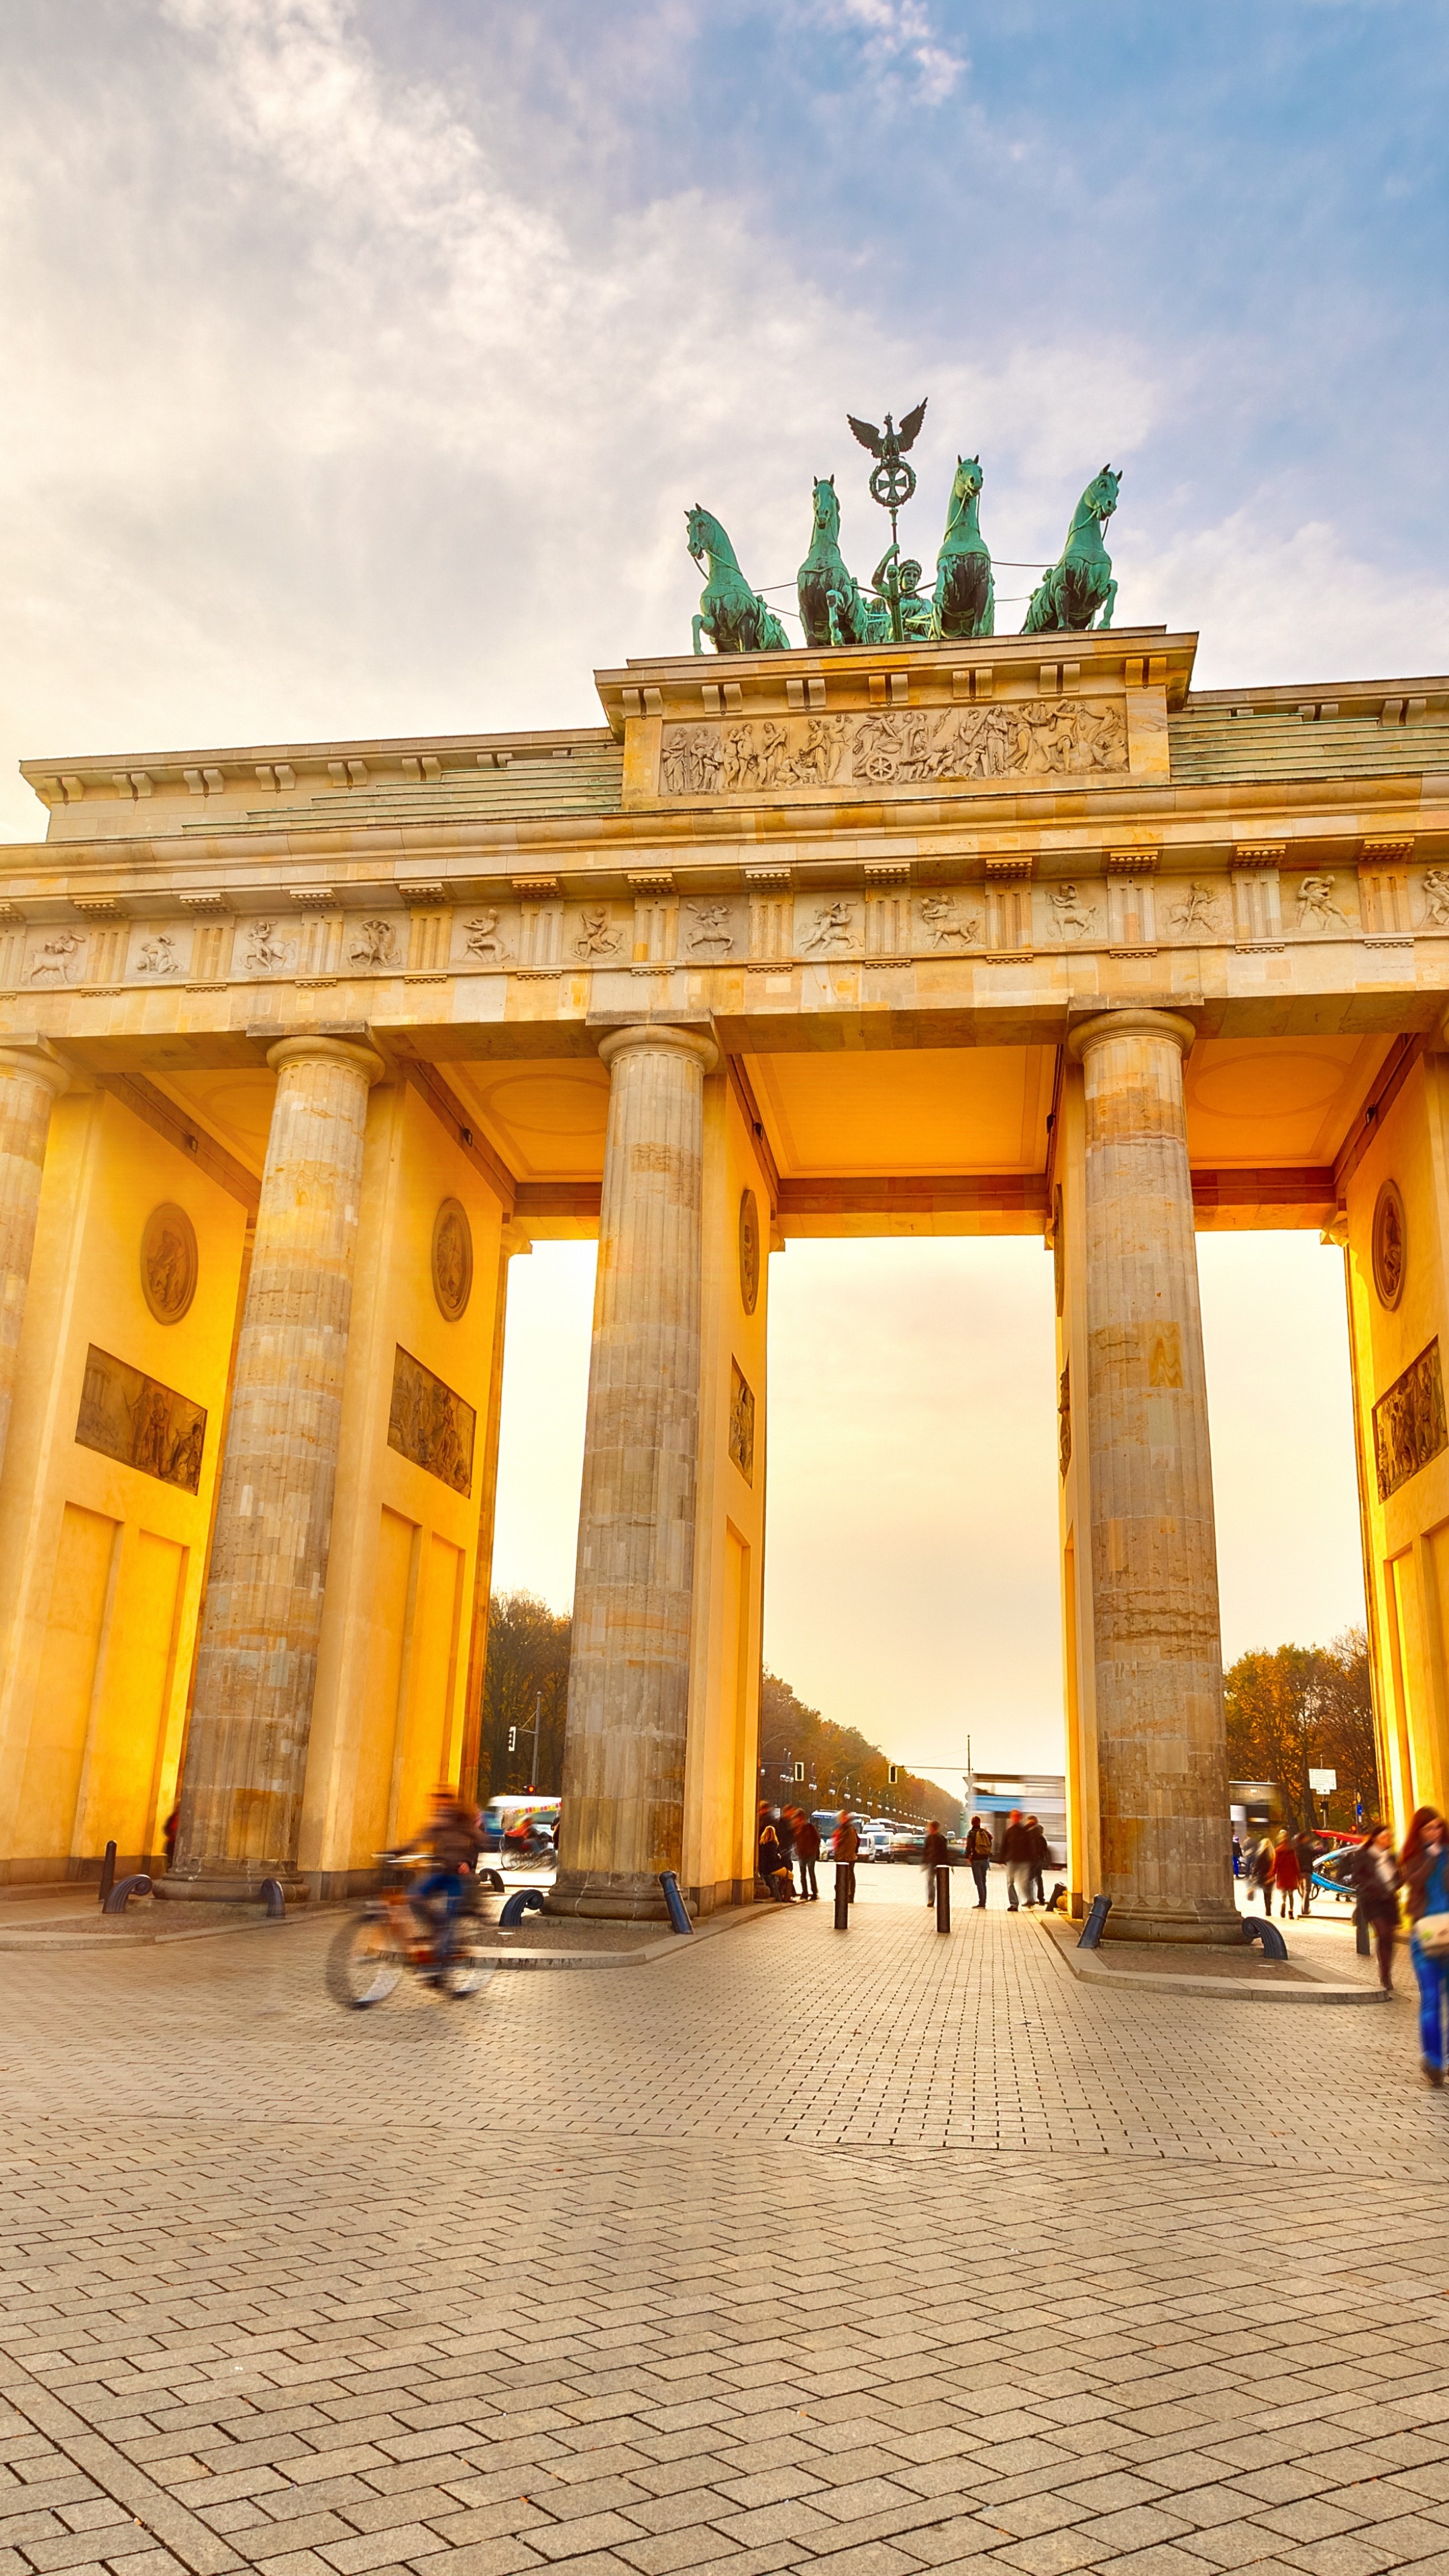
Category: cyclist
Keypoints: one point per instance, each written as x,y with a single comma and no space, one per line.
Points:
452,1838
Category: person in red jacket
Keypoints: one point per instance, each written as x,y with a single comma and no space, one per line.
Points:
1287,1876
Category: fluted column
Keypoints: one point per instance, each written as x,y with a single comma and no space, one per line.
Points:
246,1753
623,1784
1161,1751
31,1080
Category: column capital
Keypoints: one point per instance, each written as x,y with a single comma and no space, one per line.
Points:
1131,1024
37,1059
670,1041
321,1050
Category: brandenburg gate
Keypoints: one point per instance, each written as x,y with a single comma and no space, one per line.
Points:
302,1044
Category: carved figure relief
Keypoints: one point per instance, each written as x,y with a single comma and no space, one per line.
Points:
430,1425
742,1423
1316,904
710,929
169,1263
598,936
1436,898
452,1259
1389,1245
833,928
1074,919
159,956
749,1252
375,945
483,940
1197,911
55,959
141,1423
944,921
264,952
1409,1425
1019,737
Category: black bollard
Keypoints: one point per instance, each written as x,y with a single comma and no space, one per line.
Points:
842,1897
943,1900
108,1872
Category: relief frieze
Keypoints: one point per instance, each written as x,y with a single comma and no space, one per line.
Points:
1030,737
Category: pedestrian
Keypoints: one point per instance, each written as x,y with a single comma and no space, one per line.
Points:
1306,1846
1373,1874
935,1854
807,1853
1424,1863
1260,1872
978,1852
845,1845
1015,1851
1286,1875
769,1860
785,1837
1039,1852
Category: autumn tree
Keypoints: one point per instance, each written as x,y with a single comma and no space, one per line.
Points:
1298,1709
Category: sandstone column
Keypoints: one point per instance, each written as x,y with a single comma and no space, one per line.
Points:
1162,1761
31,1079
246,1754
623,1784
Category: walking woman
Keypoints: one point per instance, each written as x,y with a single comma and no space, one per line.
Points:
1374,1876
1424,1863
1287,1876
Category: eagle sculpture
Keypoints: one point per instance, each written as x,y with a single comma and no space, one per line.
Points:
891,441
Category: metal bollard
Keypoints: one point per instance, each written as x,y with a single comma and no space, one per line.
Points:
108,1872
842,1897
943,1899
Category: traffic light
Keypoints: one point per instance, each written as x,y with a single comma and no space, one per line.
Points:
513,1739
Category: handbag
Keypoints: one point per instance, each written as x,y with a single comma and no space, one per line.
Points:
1432,1934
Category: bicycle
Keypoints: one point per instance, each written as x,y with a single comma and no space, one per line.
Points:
396,1934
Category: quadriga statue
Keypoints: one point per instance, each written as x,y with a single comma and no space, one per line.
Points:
1080,582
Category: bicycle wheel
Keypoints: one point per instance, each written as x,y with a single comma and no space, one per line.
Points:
364,1963
469,1968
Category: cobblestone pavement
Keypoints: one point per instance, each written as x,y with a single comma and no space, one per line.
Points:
881,2253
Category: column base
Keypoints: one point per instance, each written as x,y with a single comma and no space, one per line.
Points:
242,1885
608,1896
1215,1927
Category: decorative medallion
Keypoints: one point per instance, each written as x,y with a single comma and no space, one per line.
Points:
168,1263
452,1259
749,1252
1390,1244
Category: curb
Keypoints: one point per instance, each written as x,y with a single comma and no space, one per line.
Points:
1093,1970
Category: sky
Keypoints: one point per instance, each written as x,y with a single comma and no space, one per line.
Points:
362,361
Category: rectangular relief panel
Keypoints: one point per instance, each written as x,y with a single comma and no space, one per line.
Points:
66,1684
141,1423
430,1425
1409,1423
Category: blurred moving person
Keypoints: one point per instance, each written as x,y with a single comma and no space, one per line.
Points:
935,1854
978,1852
1373,1874
1287,1876
807,1853
1424,1863
1016,1852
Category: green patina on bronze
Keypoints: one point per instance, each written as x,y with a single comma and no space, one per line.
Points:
1067,599
733,616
